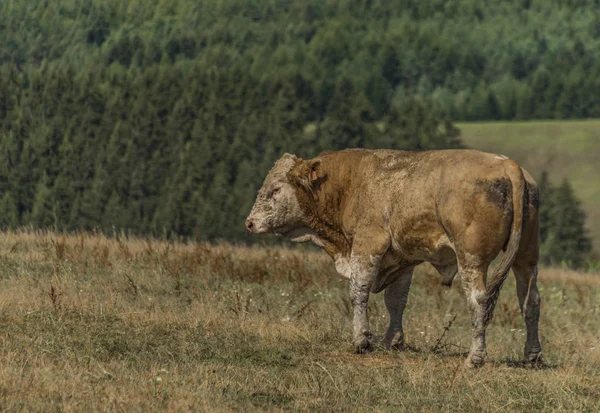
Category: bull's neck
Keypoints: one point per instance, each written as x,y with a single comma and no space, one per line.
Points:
324,213
330,235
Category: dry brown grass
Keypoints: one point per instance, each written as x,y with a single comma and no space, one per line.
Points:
90,323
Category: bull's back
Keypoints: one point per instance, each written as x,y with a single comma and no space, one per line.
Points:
438,199
427,196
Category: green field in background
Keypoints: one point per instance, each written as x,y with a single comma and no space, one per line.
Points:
568,149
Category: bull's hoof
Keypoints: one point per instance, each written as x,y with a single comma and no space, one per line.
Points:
363,345
395,345
534,358
475,361
394,342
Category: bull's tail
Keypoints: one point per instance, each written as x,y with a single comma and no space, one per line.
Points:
497,278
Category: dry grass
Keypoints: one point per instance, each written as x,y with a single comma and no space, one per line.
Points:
93,324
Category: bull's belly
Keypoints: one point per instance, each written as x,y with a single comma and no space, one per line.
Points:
398,261
436,249
439,251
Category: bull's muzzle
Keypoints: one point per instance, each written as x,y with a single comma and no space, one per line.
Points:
250,225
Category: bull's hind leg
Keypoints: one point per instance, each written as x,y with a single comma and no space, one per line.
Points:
529,301
396,296
472,278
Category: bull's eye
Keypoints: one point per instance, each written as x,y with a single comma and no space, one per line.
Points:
274,192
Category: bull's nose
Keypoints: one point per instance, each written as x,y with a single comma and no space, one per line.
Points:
250,226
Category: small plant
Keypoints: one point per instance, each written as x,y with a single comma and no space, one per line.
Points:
241,306
593,266
132,286
440,343
60,248
54,295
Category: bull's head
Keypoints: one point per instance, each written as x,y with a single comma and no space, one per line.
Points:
277,209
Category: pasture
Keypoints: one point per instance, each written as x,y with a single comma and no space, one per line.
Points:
90,323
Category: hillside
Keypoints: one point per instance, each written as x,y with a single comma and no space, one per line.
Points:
93,324
161,117
514,59
564,148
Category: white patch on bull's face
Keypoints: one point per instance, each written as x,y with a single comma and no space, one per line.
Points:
276,209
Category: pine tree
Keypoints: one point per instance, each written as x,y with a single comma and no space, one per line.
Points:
411,125
562,226
43,212
9,216
546,191
114,215
390,67
348,116
539,94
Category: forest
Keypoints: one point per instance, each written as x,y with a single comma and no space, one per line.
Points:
162,117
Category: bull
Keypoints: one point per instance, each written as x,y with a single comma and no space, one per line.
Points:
380,213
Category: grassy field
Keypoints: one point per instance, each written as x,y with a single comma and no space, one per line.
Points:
93,324
564,148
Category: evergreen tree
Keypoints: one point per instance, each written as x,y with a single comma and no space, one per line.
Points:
546,191
348,117
539,95
43,213
562,225
9,216
115,217
412,125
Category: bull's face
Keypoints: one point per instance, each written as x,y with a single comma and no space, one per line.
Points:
276,209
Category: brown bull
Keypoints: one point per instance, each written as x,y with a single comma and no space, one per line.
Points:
379,213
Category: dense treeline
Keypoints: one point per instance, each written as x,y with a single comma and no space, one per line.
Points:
174,148
163,116
510,59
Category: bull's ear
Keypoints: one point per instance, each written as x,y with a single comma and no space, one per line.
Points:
316,171
307,174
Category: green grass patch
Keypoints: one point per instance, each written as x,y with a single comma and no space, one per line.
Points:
566,149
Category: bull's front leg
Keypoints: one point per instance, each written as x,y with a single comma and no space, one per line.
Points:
362,268
360,271
362,276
